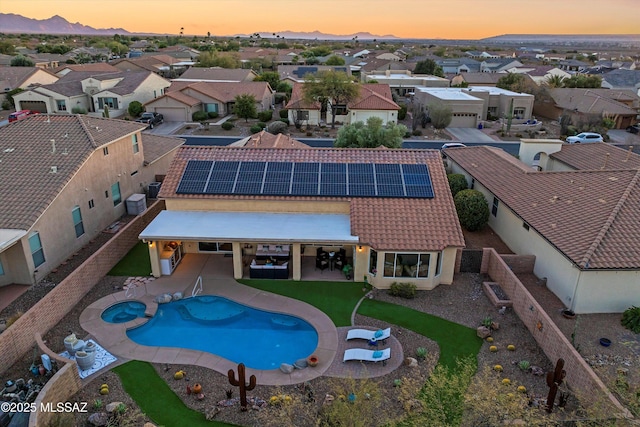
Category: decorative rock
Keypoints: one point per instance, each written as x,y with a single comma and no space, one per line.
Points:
300,363
622,371
495,326
286,368
328,399
99,419
177,296
411,362
483,332
537,370
112,406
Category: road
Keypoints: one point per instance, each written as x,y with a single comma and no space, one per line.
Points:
511,147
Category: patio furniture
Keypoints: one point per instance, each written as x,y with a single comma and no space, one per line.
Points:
364,355
280,252
85,360
264,271
365,334
322,260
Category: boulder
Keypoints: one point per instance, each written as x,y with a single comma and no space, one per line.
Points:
495,326
483,332
411,362
149,425
286,368
99,419
300,363
112,406
177,296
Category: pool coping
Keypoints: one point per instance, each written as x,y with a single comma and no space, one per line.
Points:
113,337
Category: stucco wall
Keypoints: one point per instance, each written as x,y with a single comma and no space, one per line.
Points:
220,205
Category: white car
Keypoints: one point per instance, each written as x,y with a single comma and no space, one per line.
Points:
452,145
585,137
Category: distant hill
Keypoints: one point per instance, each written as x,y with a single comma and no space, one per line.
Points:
12,23
293,35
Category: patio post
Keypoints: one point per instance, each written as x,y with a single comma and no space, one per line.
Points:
297,261
237,260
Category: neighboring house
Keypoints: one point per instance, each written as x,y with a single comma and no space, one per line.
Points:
541,74
374,100
580,219
75,174
499,65
379,66
476,54
404,83
47,60
473,104
265,139
458,65
476,79
92,92
22,77
184,98
155,63
622,80
216,74
572,65
296,73
94,67
85,53
388,56
587,105
302,112
386,234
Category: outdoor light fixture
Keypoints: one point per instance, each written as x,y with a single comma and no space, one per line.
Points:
360,248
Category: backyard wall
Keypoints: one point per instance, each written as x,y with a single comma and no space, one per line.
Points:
18,339
580,377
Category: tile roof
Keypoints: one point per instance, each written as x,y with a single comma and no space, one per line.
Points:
217,74
591,216
265,139
96,67
16,76
592,101
297,101
27,156
383,223
178,96
156,146
227,91
597,156
374,97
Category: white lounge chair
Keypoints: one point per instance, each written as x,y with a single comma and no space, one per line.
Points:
363,354
365,334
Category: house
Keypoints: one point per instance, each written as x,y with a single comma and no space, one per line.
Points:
579,217
22,77
540,74
588,105
572,65
498,65
216,74
458,65
386,232
296,73
94,67
379,66
476,79
622,80
473,104
476,54
184,98
404,83
302,112
158,64
265,139
93,92
75,174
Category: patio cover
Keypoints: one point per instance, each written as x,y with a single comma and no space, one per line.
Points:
252,226
9,236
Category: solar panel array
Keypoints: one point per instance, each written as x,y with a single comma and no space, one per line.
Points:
306,179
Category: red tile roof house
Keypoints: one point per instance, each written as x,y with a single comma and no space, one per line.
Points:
387,236
65,178
579,216
184,98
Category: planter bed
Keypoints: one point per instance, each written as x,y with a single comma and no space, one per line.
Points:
496,295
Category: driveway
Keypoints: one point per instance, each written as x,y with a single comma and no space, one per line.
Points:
621,136
166,128
469,135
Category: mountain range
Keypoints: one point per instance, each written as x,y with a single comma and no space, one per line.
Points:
321,36
12,23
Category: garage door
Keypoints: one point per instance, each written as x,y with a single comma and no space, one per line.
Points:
173,114
364,116
463,120
38,106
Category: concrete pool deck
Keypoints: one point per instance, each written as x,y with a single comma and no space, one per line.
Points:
217,279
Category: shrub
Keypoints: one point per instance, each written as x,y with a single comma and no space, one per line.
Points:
276,127
12,319
404,290
493,349
498,368
631,319
402,114
472,208
256,128
227,126
511,347
421,353
135,108
265,116
522,389
285,121
506,381
524,365
199,116
78,110
457,183
416,132
489,339
407,134
284,114
212,115
487,321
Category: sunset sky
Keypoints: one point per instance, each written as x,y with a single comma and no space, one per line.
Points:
470,19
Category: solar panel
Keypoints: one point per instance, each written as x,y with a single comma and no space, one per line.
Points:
252,166
420,191
276,188
248,187
304,189
219,187
333,189
191,187
222,165
199,165
279,167
390,190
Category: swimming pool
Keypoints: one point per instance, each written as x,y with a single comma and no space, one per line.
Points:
259,339
124,312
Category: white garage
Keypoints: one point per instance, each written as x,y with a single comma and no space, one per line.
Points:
464,120
172,114
363,115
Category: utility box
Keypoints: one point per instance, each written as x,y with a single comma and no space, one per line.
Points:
136,204
154,189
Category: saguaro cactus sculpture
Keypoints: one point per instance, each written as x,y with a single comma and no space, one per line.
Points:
240,382
554,379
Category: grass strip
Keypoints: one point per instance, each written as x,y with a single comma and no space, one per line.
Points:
156,399
135,263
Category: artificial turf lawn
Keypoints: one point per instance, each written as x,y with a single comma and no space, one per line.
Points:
455,341
156,399
135,263
335,299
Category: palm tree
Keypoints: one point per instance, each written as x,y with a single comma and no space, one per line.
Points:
554,81
181,31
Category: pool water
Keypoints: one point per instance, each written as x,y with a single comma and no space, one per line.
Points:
124,312
259,339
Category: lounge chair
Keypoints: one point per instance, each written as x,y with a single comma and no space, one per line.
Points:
365,334
363,354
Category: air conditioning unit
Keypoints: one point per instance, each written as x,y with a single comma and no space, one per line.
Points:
154,189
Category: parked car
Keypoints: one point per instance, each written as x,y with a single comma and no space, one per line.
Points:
19,115
585,137
151,119
634,128
452,145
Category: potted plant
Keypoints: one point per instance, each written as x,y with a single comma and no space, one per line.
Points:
347,270
312,360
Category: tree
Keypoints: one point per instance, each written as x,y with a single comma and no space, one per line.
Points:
335,60
7,48
333,88
582,81
9,95
428,66
554,81
514,82
457,183
440,115
271,77
135,108
22,61
472,208
245,107
370,135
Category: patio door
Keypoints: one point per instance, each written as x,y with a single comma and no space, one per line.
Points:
220,247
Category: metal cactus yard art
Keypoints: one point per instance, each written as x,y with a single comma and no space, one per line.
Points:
554,379
240,382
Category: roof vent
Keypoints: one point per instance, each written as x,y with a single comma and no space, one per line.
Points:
53,146
54,169
9,150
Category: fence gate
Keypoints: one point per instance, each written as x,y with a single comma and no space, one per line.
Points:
471,261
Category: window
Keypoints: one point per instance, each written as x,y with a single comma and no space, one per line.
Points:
216,247
494,209
77,221
36,249
105,151
406,265
373,262
112,103
61,105
473,183
439,264
115,194
302,115
518,112
134,142
340,110
525,226
134,173
91,204
1,269
211,108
